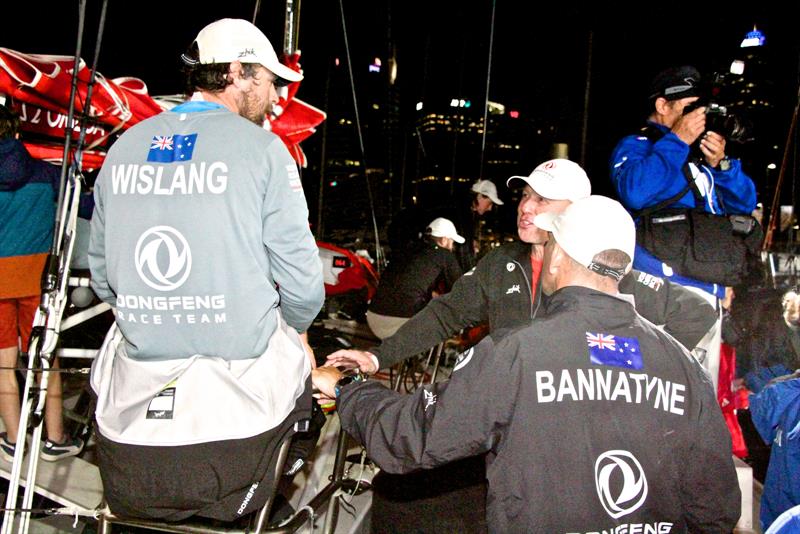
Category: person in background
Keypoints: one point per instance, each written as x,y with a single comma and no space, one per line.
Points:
776,415
774,347
28,192
408,284
468,215
565,452
652,166
484,199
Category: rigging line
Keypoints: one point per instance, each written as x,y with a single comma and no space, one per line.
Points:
255,11
774,213
55,247
586,95
378,252
486,98
78,163
323,164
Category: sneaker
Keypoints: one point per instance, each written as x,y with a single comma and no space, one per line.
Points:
52,451
7,448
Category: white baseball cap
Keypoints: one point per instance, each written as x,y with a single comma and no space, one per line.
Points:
558,179
228,40
487,187
441,227
589,226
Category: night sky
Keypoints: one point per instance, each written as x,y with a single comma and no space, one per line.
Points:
539,59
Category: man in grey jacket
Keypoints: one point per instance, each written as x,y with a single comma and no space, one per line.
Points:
200,241
593,419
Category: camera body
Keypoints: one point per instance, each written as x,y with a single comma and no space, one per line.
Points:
713,95
720,120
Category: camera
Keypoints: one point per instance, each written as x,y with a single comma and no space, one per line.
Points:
714,92
720,120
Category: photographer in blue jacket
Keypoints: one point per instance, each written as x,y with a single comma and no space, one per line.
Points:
654,166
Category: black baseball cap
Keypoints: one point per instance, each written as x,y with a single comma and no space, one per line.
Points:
675,83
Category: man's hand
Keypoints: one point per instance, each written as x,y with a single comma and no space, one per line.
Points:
712,145
324,380
350,359
691,126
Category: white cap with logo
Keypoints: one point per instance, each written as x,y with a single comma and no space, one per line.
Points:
589,226
441,227
558,179
487,188
228,40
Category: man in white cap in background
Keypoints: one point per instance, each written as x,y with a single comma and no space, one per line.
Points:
593,419
409,283
471,222
200,240
485,196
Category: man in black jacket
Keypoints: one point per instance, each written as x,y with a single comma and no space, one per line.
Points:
597,421
503,289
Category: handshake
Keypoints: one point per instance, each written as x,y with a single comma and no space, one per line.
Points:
328,379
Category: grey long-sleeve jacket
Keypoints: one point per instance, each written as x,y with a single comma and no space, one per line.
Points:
200,235
498,292
593,420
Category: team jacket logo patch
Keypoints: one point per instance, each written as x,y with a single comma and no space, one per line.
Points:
463,358
620,481
163,258
163,405
430,399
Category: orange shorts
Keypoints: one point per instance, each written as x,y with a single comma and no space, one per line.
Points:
16,320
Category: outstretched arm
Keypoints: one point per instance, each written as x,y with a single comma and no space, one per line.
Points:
444,316
429,427
683,314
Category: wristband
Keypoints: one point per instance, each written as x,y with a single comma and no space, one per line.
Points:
347,379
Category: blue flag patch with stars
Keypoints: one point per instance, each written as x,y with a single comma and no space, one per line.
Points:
170,148
618,351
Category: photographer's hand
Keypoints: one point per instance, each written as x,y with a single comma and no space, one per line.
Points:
691,126
712,145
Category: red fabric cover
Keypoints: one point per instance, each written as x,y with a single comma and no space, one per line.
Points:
727,400
297,120
45,81
55,153
360,273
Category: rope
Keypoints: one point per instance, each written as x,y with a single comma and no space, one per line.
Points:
486,100
379,260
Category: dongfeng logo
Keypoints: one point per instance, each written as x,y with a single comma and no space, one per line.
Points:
166,244
621,484
464,358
